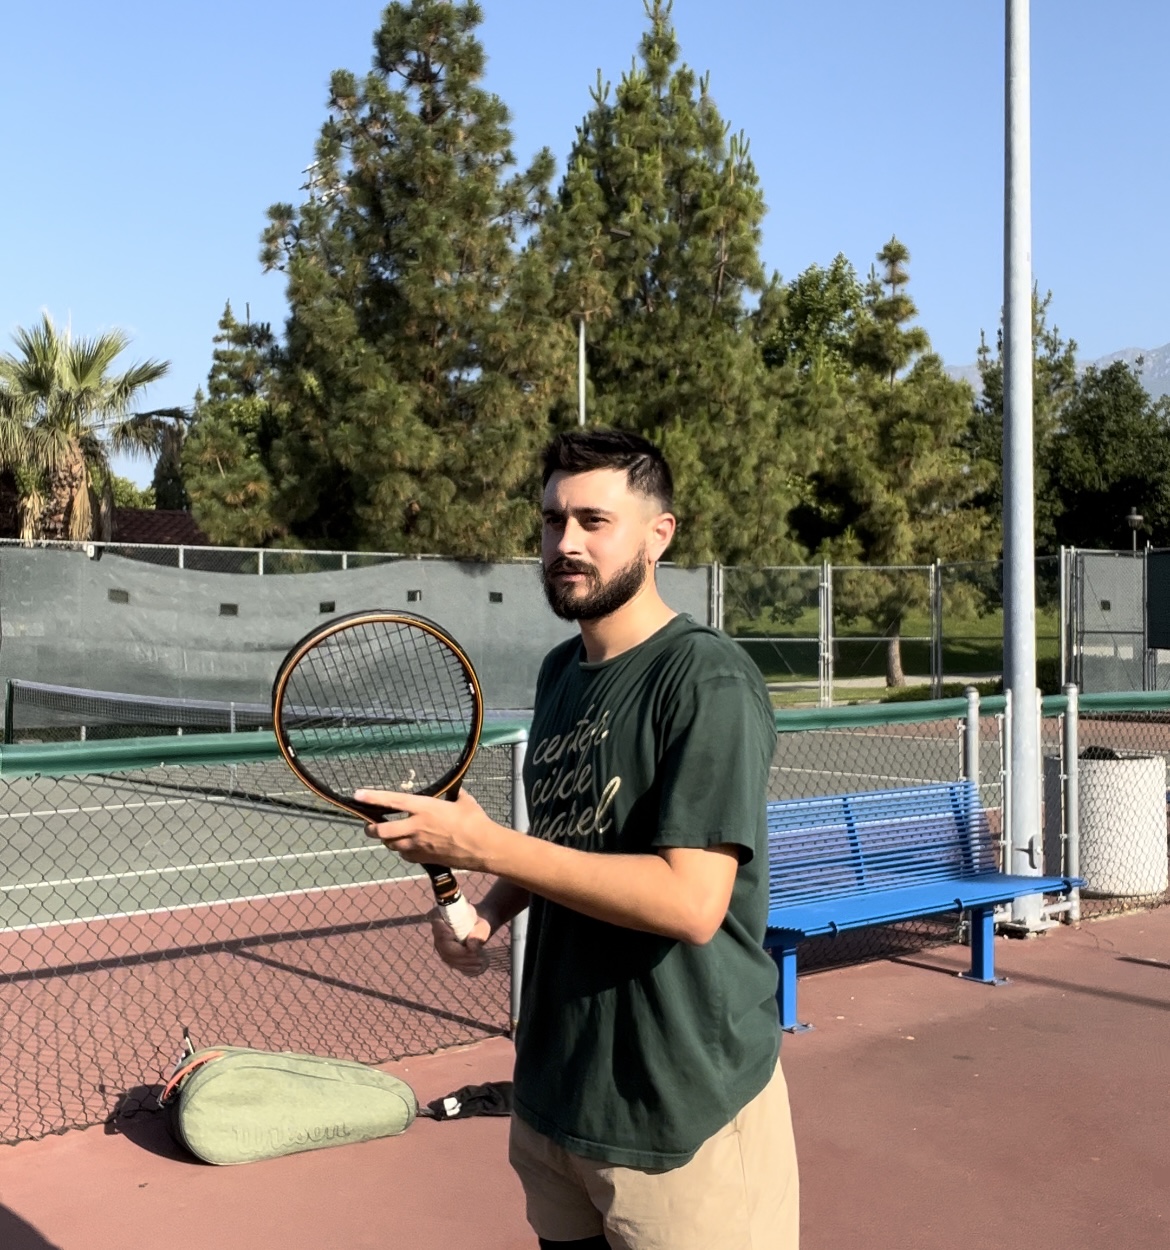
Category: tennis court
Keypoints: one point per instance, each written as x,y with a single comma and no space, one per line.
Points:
919,1103
212,892
147,885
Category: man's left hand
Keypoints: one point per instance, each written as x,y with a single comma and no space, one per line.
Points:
455,834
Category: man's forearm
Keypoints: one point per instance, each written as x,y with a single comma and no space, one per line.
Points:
502,903
682,898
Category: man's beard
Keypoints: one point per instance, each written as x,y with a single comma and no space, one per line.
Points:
599,598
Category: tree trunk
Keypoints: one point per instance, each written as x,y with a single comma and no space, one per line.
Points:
61,489
9,506
894,674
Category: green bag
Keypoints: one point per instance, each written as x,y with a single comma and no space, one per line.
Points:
228,1104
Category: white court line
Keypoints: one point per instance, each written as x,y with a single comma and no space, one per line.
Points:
870,733
208,866
784,769
216,902
228,799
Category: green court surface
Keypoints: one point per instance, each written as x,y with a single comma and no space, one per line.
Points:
81,846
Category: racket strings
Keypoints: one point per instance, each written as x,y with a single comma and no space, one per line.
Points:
380,705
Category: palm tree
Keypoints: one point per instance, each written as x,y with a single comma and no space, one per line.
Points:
62,415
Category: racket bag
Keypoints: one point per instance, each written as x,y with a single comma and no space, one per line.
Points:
228,1104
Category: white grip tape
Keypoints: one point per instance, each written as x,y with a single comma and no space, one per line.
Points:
460,916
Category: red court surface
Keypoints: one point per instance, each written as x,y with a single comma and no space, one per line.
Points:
931,1114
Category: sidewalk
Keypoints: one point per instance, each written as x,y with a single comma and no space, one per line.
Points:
931,1114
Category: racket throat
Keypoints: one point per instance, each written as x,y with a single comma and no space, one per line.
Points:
443,883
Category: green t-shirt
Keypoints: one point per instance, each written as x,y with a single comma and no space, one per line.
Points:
633,1048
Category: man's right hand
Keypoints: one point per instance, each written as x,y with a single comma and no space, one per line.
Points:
468,957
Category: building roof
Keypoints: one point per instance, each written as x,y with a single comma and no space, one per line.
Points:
170,527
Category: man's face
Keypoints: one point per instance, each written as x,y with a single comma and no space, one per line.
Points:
599,542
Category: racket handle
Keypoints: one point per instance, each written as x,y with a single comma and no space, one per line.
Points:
460,916
457,913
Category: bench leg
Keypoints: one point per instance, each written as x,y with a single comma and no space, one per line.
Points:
983,948
785,956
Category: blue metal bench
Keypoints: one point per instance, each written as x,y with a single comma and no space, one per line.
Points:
852,860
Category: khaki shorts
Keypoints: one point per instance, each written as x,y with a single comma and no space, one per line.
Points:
738,1192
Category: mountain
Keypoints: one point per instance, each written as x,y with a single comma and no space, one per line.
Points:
1155,368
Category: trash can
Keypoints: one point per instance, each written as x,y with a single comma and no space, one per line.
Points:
1123,824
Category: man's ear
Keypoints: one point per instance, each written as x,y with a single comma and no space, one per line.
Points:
662,532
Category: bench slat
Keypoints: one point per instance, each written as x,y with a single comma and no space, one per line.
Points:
958,894
854,844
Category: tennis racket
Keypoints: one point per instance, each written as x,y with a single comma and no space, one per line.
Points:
381,701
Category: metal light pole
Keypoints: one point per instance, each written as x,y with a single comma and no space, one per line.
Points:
1019,622
581,373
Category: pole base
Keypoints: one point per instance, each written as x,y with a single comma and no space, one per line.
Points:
970,976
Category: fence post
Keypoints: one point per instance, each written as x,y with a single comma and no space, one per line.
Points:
1072,801
519,927
1062,614
1075,579
936,660
971,737
825,641
1005,747
715,604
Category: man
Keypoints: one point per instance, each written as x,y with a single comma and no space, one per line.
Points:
650,1109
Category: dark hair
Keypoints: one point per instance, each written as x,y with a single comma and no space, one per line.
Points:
580,451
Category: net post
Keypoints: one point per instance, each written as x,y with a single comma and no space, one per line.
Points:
8,712
519,925
825,636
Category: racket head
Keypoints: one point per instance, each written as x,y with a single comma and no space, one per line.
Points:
378,700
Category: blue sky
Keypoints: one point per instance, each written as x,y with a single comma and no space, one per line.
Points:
144,142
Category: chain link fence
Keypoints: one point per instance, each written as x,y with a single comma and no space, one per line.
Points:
152,885
776,615
835,634
148,885
247,561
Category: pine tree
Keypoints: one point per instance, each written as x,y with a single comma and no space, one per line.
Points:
419,365
1110,453
167,489
898,482
654,240
226,457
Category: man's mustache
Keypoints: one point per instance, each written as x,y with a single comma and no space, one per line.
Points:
564,565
